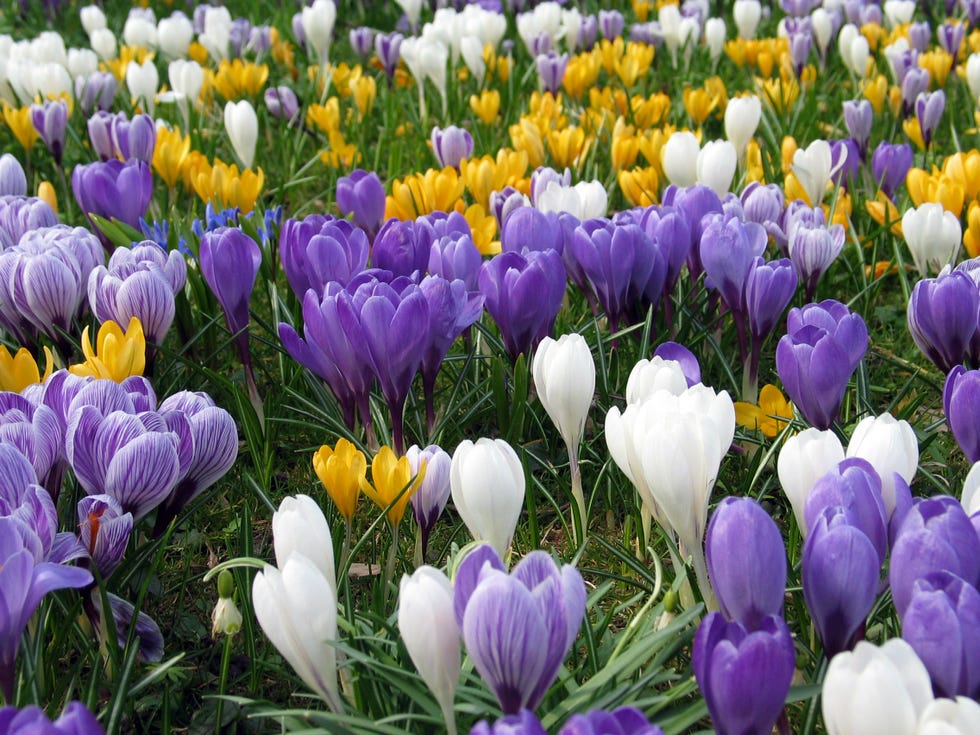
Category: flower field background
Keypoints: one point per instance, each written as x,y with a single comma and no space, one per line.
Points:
494,368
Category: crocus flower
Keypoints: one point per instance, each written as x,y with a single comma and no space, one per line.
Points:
889,165
942,624
523,723
649,376
51,120
742,116
961,400
13,180
935,535
230,261
96,91
858,116
397,248
728,249
487,482
523,295
113,189
814,167
932,234
815,359
341,470
142,80
960,716
21,370
803,459
392,483
840,579
361,194
21,214
34,430
451,145
25,579
319,249
875,690
103,529
134,138
716,164
434,466
942,317
115,355
387,46
891,447
282,103
620,721
929,108
428,628
551,70
242,126
296,600
746,561
75,720
518,627
744,675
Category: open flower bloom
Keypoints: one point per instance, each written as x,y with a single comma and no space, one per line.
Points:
766,417
22,370
116,356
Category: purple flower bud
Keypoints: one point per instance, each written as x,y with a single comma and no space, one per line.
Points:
858,117
97,91
551,70
451,145
822,348
103,529
889,165
813,247
589,31
929,108
398,249
134,138
100,135
914,83
762,203
524,293
387,46
972,10
840,579
935,535
769,287
362,41
452,310
611,23
21,214
51,121
621,721
942,624
682,356
230,261
282,103
799,51
523,723
950,36
540,44
505,201
113,189
13,180
942,317
76,720
519,627
743,675
430,499
961,402
671,233
746,561
531,229
695,202
454,257
543,176
919,35
729,247
361,194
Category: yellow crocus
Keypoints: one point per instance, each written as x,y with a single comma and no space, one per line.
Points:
699,104
610,52
393,483
170,154
935,187
938,63
22,370
634,64
364,91
46,192
341,469
568,147
116,356
118,65
326,117
754,170
581,74
236,78
770,416
965,169
639,185
971,235
650,112
486,106
914,132
484,228
418,194
884,212
625,145
525,136
18,119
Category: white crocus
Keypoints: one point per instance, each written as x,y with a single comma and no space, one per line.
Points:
296,602
970,499
487,482
823,29
747,14
890,446
318,21
216,37
433,58
242,126
92,18
564,377
804,459
875,691
139,31
471,49
680,158
814,167
973,76
898,12
174,35
960,716
142,80
715,34
103,43
742,117
933,236
82,62
585,200
716,164
412,10
854,50
427,624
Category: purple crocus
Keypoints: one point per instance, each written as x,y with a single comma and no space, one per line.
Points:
522,723
961,402
319,249
528,228
430,499
31,720
695,203
141,281
454,256
728,249
744,675
840,579
942,624
399,249
518,627
914,82
822,348
114,190
96,91
50,119
134,138
523,295
670,230
858,116
551,70
942,317
103,530
13,180
35,432
282,103
929,108
890,162
25,579
362,195
769,287
620,721
362,41
934,535
451,145
388,46
99,128
746,561
20,214
611,23
230,261
813,247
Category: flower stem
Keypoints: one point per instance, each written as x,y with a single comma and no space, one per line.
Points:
222,683
392,558
580,520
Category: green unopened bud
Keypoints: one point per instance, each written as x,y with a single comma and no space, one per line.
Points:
670,601
226,584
